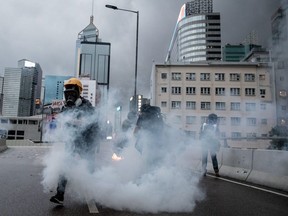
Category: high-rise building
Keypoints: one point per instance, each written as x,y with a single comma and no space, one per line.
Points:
22,87
197,33
280,57
54,88
93,59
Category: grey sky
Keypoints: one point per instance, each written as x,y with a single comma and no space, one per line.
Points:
45,32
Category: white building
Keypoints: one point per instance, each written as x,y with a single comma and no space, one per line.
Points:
241,94
197,33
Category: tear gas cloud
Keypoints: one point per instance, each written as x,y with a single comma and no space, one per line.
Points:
159,179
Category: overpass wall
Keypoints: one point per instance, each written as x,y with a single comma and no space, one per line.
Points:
259,166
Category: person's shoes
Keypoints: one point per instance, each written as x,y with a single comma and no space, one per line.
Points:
217,174
58,198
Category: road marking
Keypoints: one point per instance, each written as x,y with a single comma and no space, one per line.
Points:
251,186
91,206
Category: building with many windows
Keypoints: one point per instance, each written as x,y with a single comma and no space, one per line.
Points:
54,88
92,58
239,93
197,33
22,87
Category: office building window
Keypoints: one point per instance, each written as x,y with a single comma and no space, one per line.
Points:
219,77
205,105
235,121
251,121
251,135
220,91
264,121
163,104
249,77
163,90
222,120
220,105
191,76
176,90
163,75
205,91
191,105
236,135
176,105
235,77
176,76
190,119
250,91
263,106
235,106
262,93
235,91
205,76
262,77
250,106
190,90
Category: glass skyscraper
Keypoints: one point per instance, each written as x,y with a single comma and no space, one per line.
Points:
197,33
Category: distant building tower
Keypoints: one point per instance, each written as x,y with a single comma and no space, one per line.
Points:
22,87
197,33
54,88
280,57
93,58
236,53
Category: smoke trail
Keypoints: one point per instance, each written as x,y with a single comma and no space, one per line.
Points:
158,180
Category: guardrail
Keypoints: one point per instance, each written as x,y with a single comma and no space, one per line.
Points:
3,145
259,166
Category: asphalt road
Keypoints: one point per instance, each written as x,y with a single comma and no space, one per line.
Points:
21,193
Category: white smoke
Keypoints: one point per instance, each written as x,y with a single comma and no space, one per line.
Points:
159,179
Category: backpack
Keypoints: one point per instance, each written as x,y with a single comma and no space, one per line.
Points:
151,118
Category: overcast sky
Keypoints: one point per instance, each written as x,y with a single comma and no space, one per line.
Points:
45,31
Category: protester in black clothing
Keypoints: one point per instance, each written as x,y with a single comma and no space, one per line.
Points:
83,142
149,135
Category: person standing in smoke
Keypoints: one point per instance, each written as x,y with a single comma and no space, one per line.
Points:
149,132
83,142
122,138
209,136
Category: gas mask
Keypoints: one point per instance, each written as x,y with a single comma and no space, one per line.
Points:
72,96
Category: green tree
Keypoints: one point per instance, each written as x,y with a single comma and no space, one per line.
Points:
280,138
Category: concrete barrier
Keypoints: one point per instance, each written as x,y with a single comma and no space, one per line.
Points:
25,142
236,163
3,145
270,168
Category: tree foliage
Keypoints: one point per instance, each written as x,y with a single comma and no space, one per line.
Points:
279,134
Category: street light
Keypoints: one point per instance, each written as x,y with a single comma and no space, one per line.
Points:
136,58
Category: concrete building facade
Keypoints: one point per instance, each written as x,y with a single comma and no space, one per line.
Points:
22,86
241,94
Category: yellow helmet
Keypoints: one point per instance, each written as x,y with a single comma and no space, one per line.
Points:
74,81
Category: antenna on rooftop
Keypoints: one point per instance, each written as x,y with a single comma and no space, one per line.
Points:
92,17
92,7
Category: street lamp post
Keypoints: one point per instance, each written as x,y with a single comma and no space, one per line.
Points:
136,57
